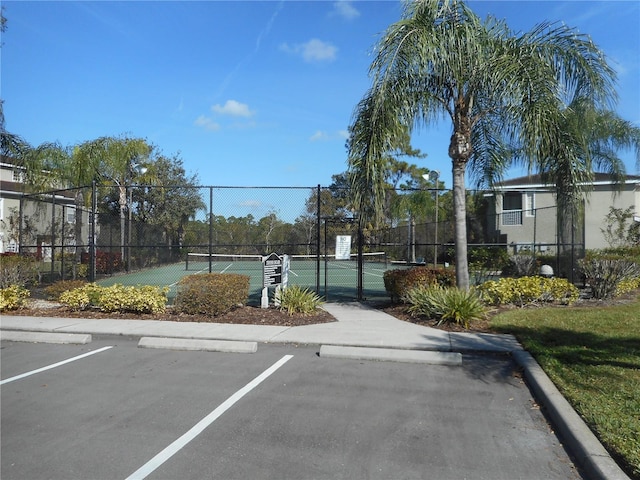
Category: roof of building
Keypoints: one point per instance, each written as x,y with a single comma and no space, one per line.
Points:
531,181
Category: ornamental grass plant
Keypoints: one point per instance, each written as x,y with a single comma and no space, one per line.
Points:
445,304
295,299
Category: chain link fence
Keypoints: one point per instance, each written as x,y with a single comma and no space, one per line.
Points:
108,231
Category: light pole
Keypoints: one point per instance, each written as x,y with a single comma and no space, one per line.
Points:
135,169
433,176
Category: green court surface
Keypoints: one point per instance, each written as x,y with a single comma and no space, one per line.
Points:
337,279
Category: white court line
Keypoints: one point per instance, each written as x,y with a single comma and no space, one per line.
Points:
199,427
204,270
374,274
54,365
351,269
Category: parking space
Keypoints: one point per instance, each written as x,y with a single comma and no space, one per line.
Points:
282,412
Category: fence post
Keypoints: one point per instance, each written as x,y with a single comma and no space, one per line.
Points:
210,249
318,241
62,238
53,234
92,233
360,263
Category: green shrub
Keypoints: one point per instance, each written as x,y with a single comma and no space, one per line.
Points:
13,297
76,299
484,262
399,281
117,298
17,270
525,290
55,290
295,299
446,305
603,270
630,253
211,293
141,299
521,265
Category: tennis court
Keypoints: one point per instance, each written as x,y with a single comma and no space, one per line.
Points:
337,279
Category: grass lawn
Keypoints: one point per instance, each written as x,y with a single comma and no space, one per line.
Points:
592,354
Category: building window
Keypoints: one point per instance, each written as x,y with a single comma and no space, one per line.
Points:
512,208
71,215
530,204
12,247
17,175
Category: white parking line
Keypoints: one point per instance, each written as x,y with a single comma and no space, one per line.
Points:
54,365
199,427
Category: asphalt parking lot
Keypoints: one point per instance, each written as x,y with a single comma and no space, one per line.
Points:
284,412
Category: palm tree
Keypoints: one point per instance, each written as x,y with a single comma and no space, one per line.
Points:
114,160
496,87
588,141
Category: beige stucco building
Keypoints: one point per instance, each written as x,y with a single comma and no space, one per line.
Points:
49,220
523,212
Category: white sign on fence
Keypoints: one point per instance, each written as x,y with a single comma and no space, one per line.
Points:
343,247
272,269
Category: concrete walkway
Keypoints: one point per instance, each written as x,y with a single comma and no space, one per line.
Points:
360,332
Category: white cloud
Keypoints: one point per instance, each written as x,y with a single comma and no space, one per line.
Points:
233,108
253,204
312,51
319,135
206,123
322,136
345,9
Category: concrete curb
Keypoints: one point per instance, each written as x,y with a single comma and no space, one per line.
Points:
589,453
45,337
198,345
391,355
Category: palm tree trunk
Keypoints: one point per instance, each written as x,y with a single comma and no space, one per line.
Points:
460,151
79,203
460,224
122,200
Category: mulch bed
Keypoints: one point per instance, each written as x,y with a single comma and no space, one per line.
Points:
253,315
246,315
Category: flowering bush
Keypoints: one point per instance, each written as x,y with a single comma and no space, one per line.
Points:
626,286
525,290
13,297
117,298
142,299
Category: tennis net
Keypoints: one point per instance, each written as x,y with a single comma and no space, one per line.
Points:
223,261
201,261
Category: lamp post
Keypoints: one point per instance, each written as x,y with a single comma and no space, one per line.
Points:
433,176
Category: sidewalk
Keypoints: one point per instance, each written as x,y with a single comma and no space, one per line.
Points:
357,326
360,332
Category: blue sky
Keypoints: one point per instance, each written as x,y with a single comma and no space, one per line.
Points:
249,93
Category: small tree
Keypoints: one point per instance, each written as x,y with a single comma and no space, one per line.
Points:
497,88
621,230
